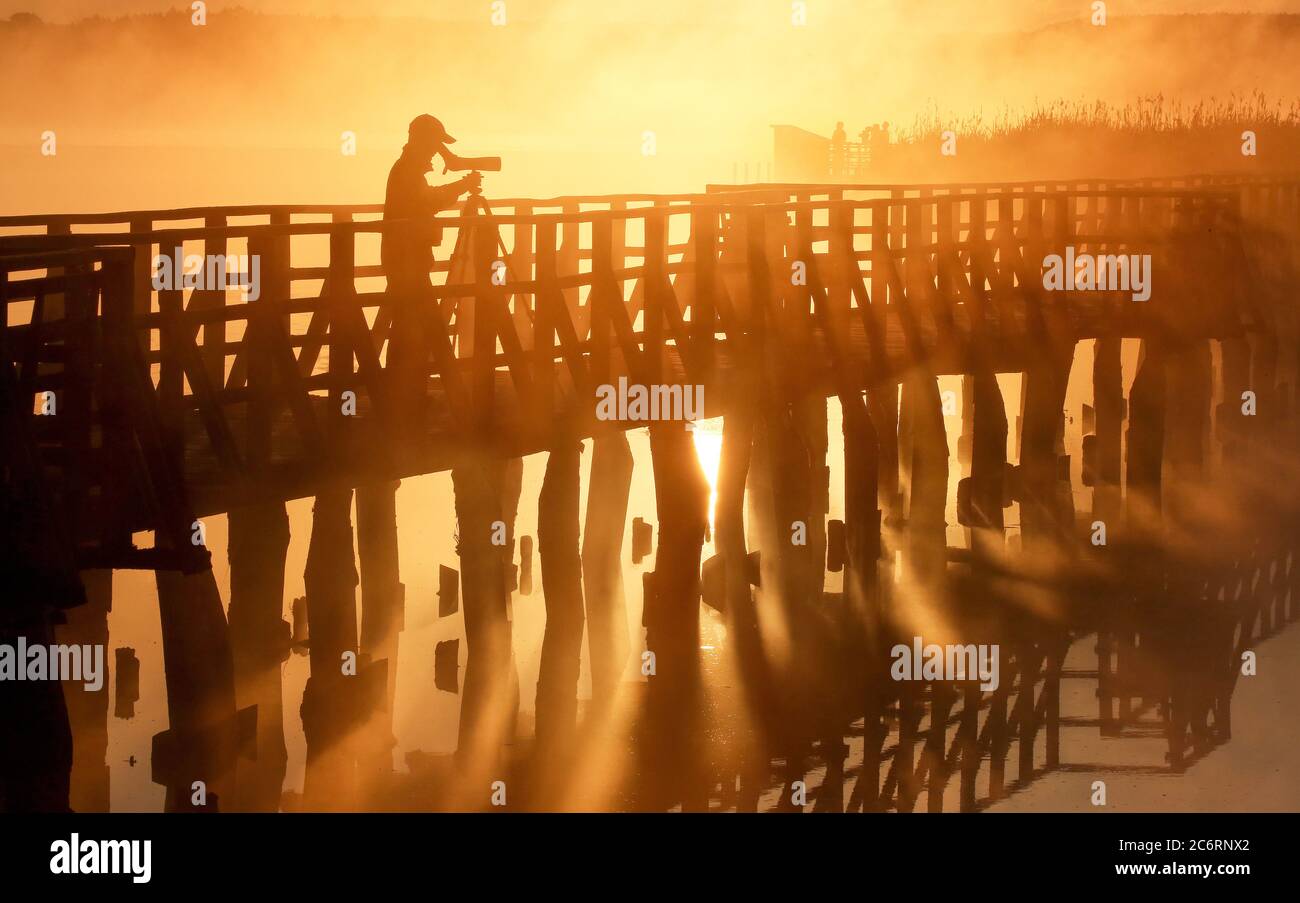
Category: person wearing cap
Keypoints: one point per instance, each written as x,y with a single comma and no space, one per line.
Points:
406,245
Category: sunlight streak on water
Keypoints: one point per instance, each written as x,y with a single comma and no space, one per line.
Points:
708,448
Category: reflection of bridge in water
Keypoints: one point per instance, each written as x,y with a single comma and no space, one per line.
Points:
175,405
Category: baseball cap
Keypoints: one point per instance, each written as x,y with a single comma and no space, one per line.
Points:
429,128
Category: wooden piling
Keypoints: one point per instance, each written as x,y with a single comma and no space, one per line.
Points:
882,402
1046,526
259,542
1143,507
383,611
810,422
1188,373
926,518
36,759
487,713
1042,406
988,467
557,543
330,705
742,616
832,702
609,486
87,625
780,500
672,619
201,743
1108,401
42,579
1146,430
1107,498
862,517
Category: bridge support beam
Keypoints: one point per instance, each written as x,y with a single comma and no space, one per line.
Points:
1146,429
202,741
383,615
1270,398
1199,696
561,565
672,620
1044,523
483,490
988,455
988,463
810,422
259,541
87,625
781,507
927,458
862,595
52,757
827,623
1189,377
1107,497
1143,506
928,470
36,757
331,704
882,403
602,566
742,615
1047,531
1108,401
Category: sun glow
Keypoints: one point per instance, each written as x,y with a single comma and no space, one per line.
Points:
708,448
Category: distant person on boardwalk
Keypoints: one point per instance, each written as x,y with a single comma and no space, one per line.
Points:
838,139
879,143
406,248
866,141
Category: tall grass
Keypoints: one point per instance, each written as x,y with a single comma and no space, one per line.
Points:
1149,136
1143,115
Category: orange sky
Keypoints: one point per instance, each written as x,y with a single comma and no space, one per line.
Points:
1006,14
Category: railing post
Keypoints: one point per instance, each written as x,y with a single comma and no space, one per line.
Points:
915,275
257,352
171,378
522,259
486,328
141,272
883,399
342,295
618,229
656,282
214,297
842,260
567,264
762,301
549,307
703,309
117,331
599,300
945,258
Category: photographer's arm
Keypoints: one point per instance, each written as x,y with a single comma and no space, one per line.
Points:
441,197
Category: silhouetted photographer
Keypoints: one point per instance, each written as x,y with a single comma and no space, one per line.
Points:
406,245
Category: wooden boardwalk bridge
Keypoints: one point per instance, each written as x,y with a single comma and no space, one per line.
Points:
170,405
